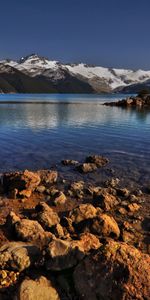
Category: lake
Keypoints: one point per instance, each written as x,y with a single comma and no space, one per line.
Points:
38,131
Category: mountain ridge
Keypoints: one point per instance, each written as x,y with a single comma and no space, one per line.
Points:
39,74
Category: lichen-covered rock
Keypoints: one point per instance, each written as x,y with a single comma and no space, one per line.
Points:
116,271
98,160
46,215
18,256
40,288
21,183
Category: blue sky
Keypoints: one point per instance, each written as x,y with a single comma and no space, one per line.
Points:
112,33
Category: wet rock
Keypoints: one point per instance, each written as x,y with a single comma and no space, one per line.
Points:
105,200
133,207
77,186
98,160
93,190
59,199
87,167
83,212
131,102
31,231
106,226
46,215
69,162
18,256
112,182
76,189
48,176
40,288
21,183
116,271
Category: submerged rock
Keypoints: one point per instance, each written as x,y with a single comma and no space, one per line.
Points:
69,162
117,271
98,160
87,167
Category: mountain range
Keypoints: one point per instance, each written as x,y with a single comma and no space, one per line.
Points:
37,74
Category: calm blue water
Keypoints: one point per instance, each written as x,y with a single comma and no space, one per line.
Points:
37,131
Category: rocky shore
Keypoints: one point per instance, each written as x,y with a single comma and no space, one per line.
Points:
65,239
137,101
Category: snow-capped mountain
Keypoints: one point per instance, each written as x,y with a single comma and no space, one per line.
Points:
76,77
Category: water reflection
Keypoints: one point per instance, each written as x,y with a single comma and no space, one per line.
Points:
55,115
38,135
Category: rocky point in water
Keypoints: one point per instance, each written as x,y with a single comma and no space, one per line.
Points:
62,239
141,100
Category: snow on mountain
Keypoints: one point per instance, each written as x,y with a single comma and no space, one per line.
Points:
98,77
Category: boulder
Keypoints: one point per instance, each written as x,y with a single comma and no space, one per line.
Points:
31,231
87,167
106,226
69,162
105,200
63,254
46,215
98,160
21,183
89,241
116,271
48,176
40,288
83,212
18,256
59,198
133,207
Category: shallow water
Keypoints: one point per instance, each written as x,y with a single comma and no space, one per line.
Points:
37,131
